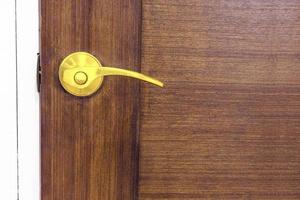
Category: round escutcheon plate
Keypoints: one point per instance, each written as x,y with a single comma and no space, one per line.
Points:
79,74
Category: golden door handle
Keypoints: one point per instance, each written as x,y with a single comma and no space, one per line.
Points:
82,74
110,71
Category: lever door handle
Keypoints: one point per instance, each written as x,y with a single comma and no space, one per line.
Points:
82,74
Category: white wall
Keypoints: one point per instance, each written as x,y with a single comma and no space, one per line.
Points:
8,116
19,106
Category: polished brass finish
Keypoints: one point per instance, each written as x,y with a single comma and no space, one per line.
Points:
81,74
80,78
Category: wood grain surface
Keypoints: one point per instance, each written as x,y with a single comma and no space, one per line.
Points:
227,125
89,145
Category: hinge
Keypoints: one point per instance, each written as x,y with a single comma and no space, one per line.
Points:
38,73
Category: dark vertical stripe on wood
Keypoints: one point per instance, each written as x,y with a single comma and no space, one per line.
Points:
89,145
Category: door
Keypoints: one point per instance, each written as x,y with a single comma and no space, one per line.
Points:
225,126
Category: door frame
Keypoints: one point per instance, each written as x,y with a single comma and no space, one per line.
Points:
27,29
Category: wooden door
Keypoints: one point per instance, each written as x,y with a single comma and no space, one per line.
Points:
226,126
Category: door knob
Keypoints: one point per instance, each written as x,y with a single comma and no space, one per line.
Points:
82,74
